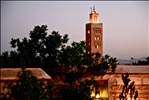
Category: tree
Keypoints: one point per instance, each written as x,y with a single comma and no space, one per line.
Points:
100,65
28,87
5,59
131,60
50,53
80,91
66,63
128,90
75,63
10,59
73,59
40,50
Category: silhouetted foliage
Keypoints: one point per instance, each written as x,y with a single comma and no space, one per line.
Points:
100,65
49,52
39,50
147,58
63,63
142,62
128,90
5,59
28,87
76,92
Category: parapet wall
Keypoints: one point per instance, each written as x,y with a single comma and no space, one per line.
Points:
141,85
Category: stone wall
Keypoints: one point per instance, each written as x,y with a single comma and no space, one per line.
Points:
141,85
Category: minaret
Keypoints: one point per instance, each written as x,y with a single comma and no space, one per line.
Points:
94,33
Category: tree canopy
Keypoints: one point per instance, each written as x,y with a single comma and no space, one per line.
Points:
61,61
51,53
28,87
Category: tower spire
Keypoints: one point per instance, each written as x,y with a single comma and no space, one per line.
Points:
94,8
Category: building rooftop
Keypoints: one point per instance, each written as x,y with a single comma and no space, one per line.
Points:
137,69
11,73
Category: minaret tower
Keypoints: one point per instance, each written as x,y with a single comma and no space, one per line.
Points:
94,33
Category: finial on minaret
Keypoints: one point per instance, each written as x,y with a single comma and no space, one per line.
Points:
93,8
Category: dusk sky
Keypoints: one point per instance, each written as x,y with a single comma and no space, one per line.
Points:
125,23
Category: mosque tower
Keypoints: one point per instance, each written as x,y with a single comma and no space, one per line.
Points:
94,33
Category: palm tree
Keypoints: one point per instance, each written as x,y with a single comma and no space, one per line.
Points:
131,60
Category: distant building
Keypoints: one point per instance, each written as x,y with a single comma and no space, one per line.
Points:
94,33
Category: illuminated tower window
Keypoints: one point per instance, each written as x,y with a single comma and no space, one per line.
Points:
96,46
98,38
88,31
95,38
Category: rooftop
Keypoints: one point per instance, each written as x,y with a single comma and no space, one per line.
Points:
138,69
11,73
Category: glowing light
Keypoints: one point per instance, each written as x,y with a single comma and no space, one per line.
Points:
97,96
130,99
88,31
92,94
96,46
104,93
